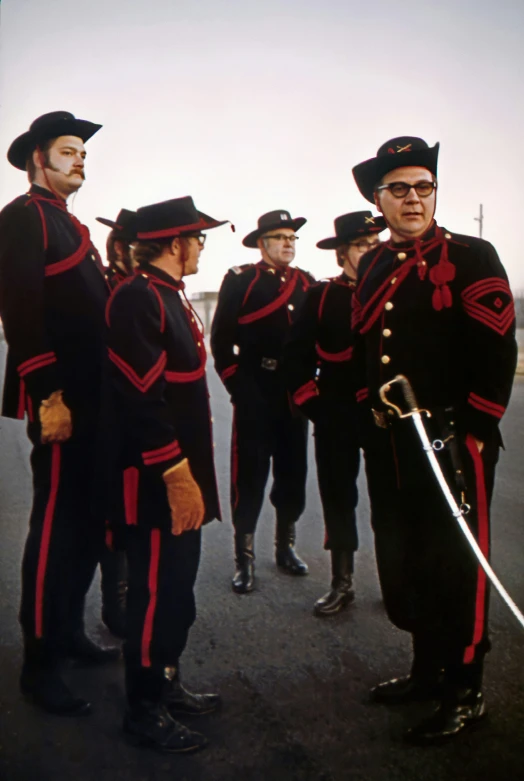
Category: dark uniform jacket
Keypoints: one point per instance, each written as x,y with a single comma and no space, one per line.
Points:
257,304
319,351
115,276
440,312
158,354
52,302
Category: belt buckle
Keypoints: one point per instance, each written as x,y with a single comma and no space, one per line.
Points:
270,364
380,418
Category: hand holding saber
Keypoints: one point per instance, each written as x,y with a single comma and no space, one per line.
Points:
459,512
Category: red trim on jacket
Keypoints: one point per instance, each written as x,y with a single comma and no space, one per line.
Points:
73,260
38,362
165,453
143,384
45,540
362,394
160,304
147,632
130,479
483,542
228,372
197,374
490,407
305,392
251,284
344,355
273,306
322,301
500,322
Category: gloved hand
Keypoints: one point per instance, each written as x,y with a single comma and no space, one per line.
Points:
184,497
55,419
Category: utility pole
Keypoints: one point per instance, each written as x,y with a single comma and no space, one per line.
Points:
480,220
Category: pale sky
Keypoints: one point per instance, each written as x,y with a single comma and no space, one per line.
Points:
252,106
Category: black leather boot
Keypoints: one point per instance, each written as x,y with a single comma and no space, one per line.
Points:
180,701
113,568
286,557
84,652
43,685
463,710
341,593
147,721
244,578
425,681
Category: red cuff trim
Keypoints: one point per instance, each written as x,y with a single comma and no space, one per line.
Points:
197,374
46,359
306,392
165,453
344,355
143,384
227,373
362,394
490,407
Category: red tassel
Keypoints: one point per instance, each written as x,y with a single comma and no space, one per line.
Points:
437,299
446,296
422,268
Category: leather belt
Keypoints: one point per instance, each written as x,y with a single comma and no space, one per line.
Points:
270,364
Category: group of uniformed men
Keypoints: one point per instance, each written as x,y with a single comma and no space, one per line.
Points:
108,366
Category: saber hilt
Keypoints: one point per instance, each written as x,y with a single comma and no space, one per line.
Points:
409,397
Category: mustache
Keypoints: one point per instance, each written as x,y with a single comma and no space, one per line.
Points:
78,171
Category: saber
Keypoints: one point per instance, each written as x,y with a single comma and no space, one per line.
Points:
459,512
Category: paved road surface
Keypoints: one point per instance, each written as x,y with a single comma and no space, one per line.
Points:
294,686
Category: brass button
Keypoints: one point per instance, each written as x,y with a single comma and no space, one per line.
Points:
390,412
385,359
271,270
393,280
447,235
282,279
401,256
386,332
199,344
290,306
144,275
192,319
389,306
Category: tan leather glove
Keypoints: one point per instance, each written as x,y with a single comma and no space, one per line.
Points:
55,419
184,497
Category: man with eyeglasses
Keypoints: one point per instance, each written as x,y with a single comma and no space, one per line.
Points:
156,346
257,305
435,307
319,368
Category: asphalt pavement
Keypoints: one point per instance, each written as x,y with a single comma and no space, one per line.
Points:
294,686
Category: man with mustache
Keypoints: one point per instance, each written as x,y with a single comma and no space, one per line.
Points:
52,301
436,307
319,366
256,306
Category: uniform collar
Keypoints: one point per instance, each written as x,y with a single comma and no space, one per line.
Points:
43,192
345,280
157,274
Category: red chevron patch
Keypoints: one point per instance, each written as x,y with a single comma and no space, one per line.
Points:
490,302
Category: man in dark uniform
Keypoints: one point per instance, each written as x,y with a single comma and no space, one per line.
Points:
113,568
52,299
319,367
257,304
156,345
435,307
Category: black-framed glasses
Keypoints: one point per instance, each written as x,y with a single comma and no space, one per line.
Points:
281,237
200,237
364,246
401,189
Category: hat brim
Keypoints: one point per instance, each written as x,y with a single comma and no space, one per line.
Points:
337,241
22,146
205,223
251,239
123,234
368,173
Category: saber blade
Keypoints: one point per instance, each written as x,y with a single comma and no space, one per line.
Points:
416,416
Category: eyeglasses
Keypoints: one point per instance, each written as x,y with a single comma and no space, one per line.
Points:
401,189
364,246
200,237
281,237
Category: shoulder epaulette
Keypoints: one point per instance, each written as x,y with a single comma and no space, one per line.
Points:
240,269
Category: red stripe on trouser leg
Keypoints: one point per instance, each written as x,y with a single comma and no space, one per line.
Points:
45,540
147,634
483,541
131,495
234,464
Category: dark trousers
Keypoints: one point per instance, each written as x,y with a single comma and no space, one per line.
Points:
337,453
66,536
259,437
162,570
431,581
